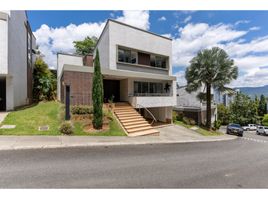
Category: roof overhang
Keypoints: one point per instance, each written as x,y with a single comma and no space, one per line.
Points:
118,73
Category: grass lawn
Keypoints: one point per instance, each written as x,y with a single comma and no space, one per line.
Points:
28,119
199,130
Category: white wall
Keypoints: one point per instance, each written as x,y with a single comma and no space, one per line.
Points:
3,43
133,38
17,56
103,47
66,59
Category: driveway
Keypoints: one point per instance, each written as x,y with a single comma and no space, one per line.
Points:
168,134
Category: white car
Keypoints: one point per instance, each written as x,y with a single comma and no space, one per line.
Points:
250,127
262,130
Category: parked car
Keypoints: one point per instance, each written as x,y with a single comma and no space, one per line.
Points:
250,127
262,130
235,129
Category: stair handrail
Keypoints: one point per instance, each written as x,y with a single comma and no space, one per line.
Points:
154,119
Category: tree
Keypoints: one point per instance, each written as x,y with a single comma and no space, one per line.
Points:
44,86
265,120
97,94
243,110
262,107
85,46
223,114
211,68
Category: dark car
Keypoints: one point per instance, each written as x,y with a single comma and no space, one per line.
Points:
234,129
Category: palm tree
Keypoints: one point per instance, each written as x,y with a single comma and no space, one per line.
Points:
211,68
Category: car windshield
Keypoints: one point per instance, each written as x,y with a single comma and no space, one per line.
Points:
235,125
266,127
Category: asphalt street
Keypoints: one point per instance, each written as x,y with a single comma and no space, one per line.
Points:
239,163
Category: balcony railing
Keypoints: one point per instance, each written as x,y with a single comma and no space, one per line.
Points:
150,94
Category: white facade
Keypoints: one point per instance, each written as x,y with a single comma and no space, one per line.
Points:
140,43
14,28
190,103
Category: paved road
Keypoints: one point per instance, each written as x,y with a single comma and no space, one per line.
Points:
240,163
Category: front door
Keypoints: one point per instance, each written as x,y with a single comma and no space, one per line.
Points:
111,90
2,94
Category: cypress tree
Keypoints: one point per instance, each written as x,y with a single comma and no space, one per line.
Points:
97,94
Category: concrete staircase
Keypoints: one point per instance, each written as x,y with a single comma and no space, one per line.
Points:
132,121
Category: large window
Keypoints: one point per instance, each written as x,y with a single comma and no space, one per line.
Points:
147,88
158,61
136,57
127,56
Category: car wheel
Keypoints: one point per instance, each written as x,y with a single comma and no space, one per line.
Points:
240,135
247,129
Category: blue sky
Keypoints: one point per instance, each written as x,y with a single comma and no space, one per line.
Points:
243,34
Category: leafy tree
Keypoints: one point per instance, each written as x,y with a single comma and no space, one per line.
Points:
223,114
243,110
97,94
211,68
45,82
85,46
265,120
262,107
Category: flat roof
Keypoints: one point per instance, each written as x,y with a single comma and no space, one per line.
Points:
118,73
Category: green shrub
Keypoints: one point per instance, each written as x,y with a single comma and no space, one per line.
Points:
81,110
186,120
66,128
265,120
174,116
217,124
192,121
179,116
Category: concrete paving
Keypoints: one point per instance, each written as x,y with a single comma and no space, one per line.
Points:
169,134
3,116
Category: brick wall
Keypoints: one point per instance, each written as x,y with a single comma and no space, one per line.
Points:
80,85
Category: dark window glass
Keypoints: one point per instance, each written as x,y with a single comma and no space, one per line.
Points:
121,55
152,60
133,57
127,56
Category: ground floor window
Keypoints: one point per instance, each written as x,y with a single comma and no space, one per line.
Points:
147,88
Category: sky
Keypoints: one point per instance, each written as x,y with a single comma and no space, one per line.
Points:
242,34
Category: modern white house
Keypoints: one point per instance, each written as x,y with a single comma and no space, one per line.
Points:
16,60
192,107
136,66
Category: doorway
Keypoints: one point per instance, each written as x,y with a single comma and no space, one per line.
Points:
2,94
111,89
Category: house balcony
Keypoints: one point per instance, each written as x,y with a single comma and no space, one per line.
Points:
150,101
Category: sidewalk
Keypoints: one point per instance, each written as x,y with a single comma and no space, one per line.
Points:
168,135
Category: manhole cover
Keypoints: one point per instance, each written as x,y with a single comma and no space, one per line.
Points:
8,126
43,128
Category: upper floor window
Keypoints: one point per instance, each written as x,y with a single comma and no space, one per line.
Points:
127,56
158,61
136,57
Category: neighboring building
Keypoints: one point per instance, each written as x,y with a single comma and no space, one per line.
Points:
225,97
16,60
136,65
192,107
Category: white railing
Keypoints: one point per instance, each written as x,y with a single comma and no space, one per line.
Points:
154,119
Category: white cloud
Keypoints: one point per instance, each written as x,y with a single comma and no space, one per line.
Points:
163,18
187,19
242,22
254,28
249,56
139,19
52,40
180,75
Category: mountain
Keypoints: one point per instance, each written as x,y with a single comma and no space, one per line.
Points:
252,91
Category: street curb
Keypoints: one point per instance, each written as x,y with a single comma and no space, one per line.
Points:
104,144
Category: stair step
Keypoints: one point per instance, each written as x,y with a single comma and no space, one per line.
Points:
129,117
134,122
147,132
144,128
136,125
128,114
